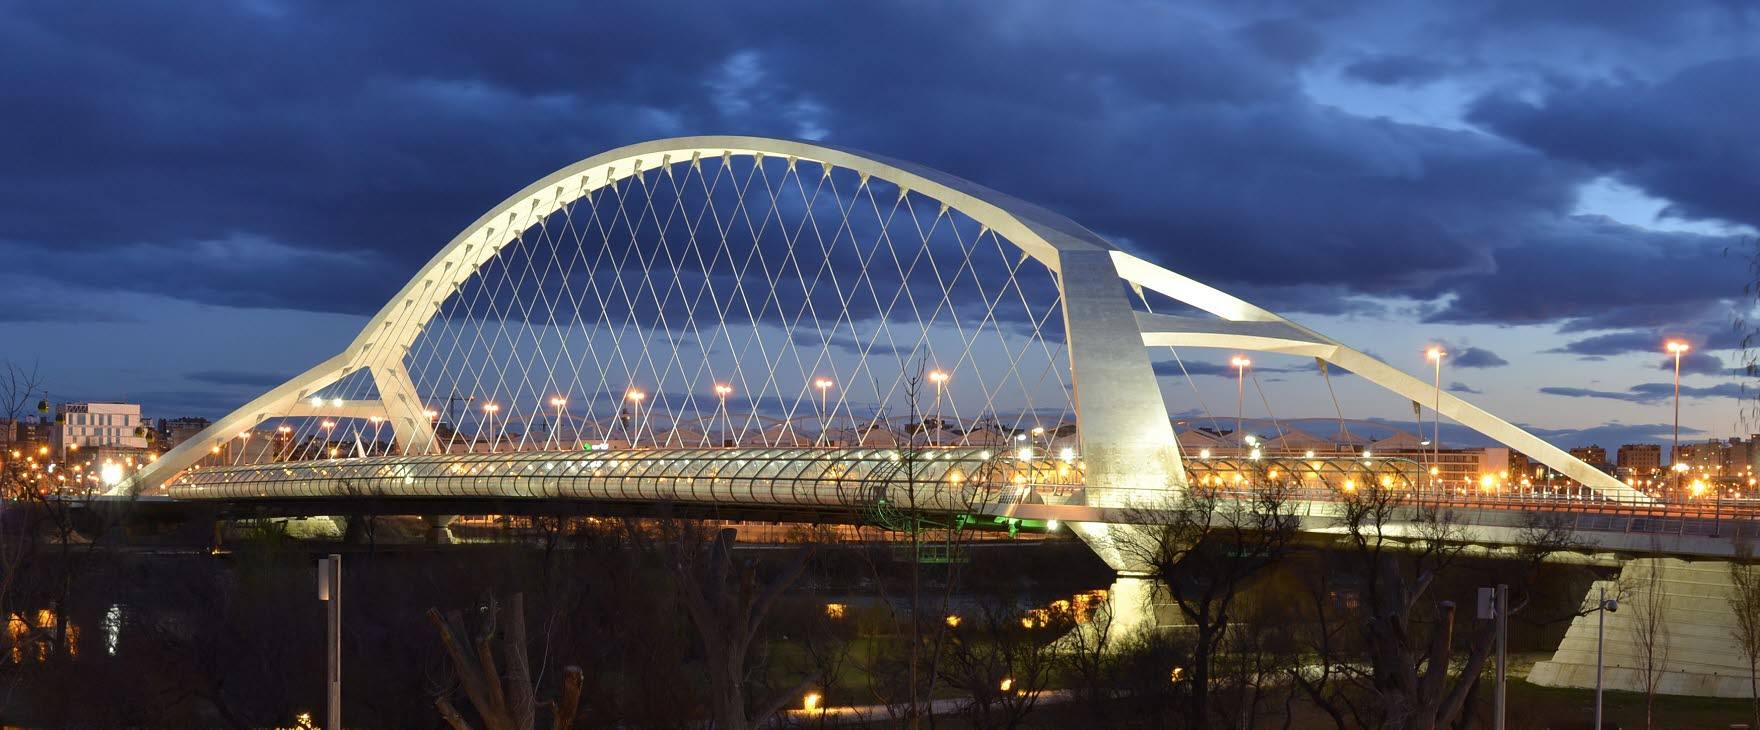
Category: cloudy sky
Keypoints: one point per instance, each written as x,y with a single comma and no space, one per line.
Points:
199,199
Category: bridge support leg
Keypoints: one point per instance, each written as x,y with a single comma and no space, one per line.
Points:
356,531
1697,652
1131,607
439,529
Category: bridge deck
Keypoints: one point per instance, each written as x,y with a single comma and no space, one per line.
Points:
854,484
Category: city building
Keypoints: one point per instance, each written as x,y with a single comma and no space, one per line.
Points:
1732,458
1639,461
174,431
92,425
1593,455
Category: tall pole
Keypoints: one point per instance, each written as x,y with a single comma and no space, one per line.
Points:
635,399
555,434
1502,650
1674,450
723,390
330,592
824,386
1240,392
940,380
1435,354
1600,638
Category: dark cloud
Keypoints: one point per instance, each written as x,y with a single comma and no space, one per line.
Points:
1611,435
1699,363
1476,357
237,377
1394,70
174,150
1651,392
1459,387
1650,341
1620,276
1171,368
1689,138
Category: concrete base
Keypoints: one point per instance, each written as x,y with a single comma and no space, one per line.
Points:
439,529
1702,658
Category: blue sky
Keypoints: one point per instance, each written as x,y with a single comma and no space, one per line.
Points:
200,199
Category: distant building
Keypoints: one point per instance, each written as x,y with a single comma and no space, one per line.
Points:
1640,461
1732,458
175,431
82,425
1593,455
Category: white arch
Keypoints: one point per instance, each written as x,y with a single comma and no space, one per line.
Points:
1127,438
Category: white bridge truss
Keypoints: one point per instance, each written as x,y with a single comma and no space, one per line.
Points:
713,292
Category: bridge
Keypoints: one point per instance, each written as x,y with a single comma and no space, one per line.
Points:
764,326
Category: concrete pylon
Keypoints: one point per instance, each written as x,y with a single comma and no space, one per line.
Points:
1701,657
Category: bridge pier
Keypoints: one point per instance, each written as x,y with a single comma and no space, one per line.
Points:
439,528
1697,650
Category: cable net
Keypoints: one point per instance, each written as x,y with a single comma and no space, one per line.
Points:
740,300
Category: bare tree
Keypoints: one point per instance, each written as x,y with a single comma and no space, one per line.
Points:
1004,659
1202,549
906,499
1744,602
501,692
728,605
1641,583
1408,682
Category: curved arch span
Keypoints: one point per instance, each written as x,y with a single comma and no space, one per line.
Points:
1126,436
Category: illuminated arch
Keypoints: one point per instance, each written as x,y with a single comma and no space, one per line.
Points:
1126,436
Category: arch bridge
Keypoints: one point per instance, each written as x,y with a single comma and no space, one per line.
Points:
750,320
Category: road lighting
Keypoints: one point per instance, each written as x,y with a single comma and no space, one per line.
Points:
824,386
489,410
1677,348
939,378
560,403
1603,606
635,396
1240,383
722,390
1435,354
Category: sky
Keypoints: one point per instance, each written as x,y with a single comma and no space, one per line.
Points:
199,200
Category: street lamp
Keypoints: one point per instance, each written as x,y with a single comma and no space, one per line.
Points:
489,410
560,403
1240,383
433,417
286,434
635,396
1678,348
722,390
1435,354
1603,606
939,378
824,386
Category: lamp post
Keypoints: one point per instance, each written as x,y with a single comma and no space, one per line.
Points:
1435,354
1603,606
1240,390
824,386
1677,348
329,427
489,409
555,439
722,390
433,428
330,592
285,433
635,397
939,378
